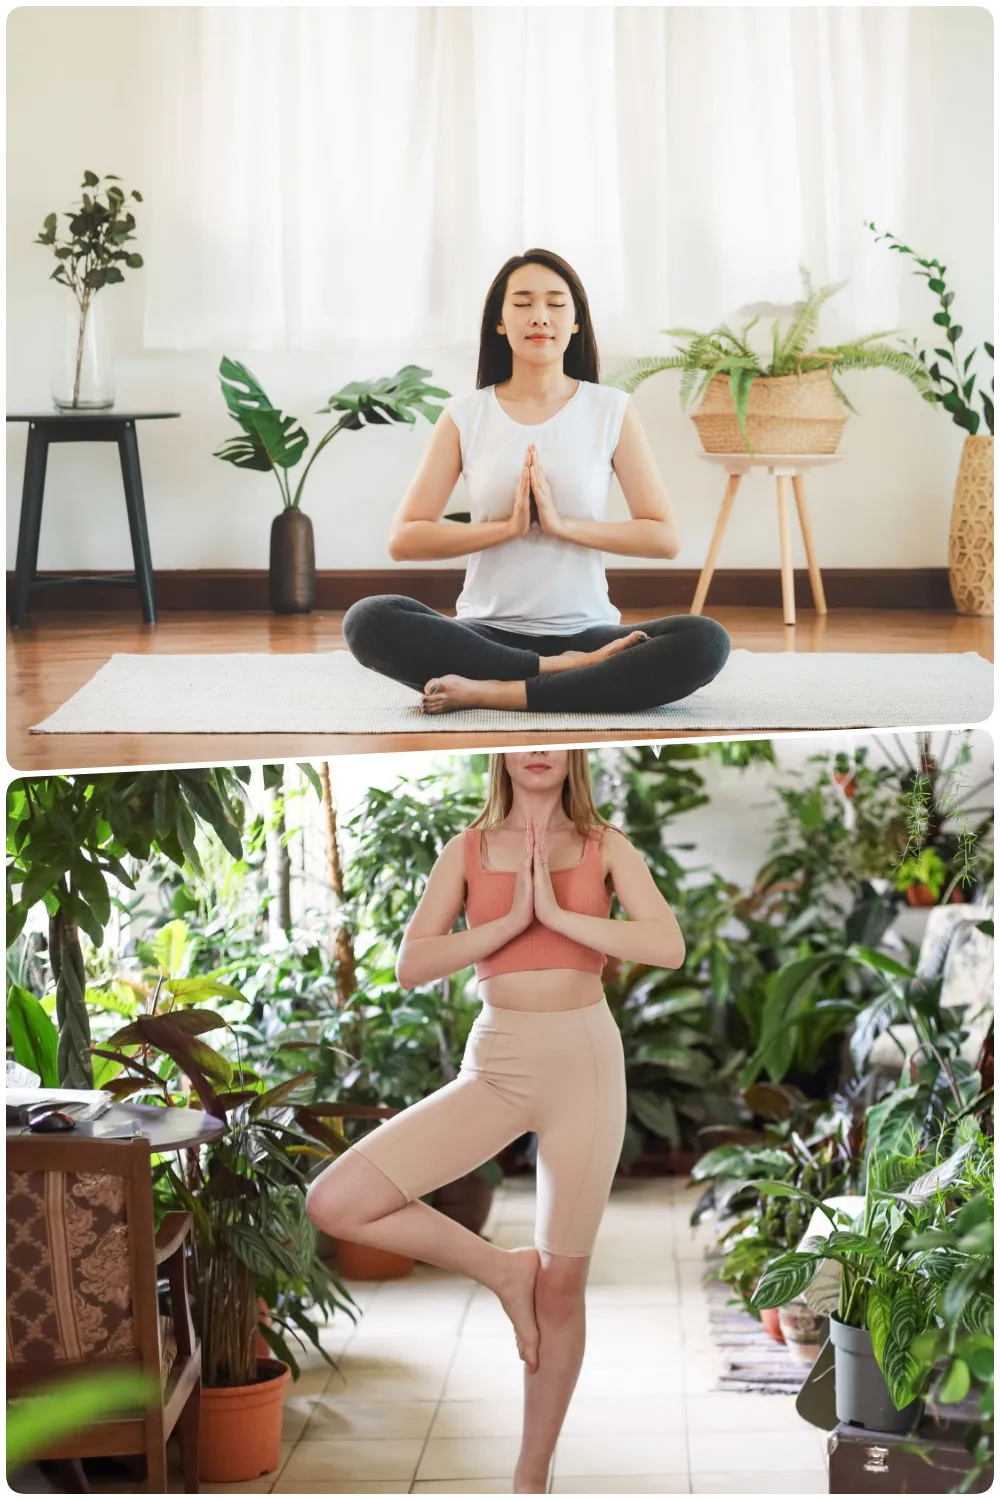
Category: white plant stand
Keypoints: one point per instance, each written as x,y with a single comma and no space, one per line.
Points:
787,469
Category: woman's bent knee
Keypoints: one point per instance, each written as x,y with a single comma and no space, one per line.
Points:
368,624
711,640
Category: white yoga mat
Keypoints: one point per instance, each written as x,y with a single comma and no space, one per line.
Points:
329,693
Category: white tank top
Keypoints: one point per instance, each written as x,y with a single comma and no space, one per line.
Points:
538,584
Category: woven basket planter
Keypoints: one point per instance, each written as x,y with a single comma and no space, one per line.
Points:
970,543
785,414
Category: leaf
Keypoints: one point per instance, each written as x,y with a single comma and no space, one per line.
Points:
941,1176
878,1314
280,1093
74,1403
34,1038
954,1386
850,1242
270,440
784,1279
657,1113
190,991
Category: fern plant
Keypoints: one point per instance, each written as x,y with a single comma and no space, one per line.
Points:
725,351
957,391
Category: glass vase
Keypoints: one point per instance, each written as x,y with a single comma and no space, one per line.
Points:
83,376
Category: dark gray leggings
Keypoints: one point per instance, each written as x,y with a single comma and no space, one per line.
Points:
406,640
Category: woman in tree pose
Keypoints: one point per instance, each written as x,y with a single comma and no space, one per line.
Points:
535,872
537,442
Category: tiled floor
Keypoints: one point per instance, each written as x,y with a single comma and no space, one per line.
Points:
426,1395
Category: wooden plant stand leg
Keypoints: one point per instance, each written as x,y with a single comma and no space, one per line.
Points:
815,576
785,536
701,591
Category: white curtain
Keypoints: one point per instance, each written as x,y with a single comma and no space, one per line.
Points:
351,178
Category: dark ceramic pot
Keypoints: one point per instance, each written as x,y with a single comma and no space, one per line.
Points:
292,577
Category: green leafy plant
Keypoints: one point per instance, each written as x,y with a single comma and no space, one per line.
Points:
727,352
67,840
98,231
955,391
246,1194
272,442
803,1142
886,1286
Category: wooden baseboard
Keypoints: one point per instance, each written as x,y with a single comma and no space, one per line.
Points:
652,589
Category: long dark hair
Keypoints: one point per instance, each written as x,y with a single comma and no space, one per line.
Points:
496,360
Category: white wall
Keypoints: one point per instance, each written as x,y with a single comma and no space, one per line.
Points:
77,78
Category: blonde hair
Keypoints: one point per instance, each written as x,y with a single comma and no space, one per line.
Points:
577,795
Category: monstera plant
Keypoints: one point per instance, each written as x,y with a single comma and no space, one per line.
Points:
271,441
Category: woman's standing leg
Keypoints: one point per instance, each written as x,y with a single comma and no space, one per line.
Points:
581,1125
560,1312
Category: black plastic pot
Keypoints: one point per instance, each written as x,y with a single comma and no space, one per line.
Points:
292,576
863,1398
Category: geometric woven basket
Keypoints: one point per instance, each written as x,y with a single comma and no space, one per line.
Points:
785,414
970,539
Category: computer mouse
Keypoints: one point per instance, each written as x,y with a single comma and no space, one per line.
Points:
55,1120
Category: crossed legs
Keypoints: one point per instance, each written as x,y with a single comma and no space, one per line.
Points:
469,664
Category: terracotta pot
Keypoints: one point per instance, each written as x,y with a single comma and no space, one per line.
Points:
292,574
922,895
970,539
803,1330
366,1263
770,1324
467,1200
240,1434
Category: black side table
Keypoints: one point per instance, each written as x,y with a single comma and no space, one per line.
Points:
81,427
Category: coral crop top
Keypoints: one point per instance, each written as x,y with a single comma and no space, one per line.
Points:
489,893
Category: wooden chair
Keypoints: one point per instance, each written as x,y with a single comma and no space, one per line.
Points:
82,1268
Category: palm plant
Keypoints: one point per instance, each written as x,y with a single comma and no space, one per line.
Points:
726,351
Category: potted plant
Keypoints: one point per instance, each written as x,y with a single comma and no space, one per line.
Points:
252,1238
83,378
784,400
270,441
883,1300
803,1142
970,539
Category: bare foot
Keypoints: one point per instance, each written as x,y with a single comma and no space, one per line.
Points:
443,695
568,660
517,1295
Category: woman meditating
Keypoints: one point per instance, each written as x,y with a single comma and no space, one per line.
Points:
537,442
535,873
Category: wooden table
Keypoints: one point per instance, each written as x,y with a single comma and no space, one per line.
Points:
786,468
46,427
165,1129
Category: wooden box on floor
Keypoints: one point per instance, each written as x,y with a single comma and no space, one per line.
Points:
890,1463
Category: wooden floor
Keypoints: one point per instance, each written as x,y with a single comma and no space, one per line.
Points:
50,658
